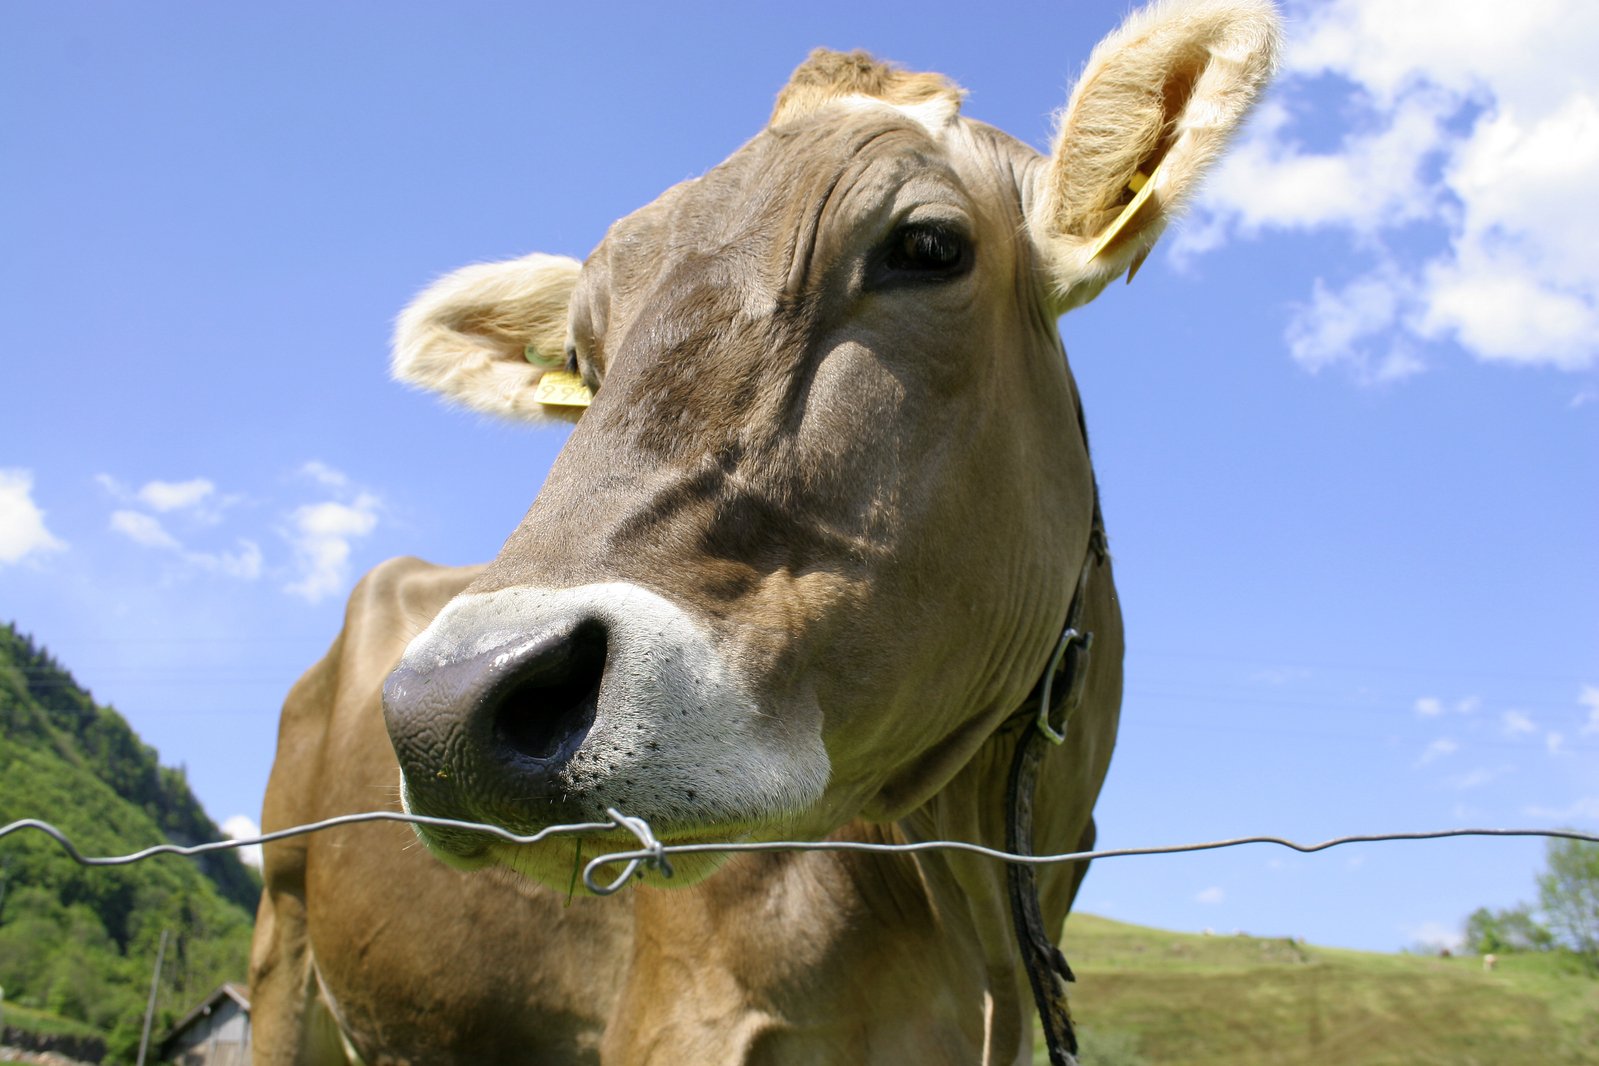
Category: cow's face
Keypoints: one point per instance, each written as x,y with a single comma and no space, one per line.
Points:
815,536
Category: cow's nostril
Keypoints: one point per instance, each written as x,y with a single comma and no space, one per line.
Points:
546,704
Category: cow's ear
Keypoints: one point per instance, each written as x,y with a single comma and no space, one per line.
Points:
486,335
1156,105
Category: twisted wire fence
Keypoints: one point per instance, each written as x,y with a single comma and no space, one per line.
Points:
651,853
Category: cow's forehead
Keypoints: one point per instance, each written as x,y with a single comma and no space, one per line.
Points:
843,165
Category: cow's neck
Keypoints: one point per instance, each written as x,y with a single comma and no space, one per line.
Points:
973,808
781,955
880,958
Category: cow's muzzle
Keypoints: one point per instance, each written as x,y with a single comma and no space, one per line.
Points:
527,707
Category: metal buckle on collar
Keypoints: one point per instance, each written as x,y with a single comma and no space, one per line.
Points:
1076,680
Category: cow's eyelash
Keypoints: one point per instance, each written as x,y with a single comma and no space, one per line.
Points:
921,253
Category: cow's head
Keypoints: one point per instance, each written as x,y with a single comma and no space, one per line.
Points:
816,534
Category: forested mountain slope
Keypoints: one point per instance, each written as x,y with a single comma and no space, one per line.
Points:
80,942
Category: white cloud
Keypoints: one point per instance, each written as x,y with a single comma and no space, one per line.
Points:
1436,936
244,563
320,534
147,530
144,529
1583,810
1269,181
324,475
175,495
196,499
322,537
1438,749
1474,126
1555,742
1479,777
1469,705
22,528
1517,723
1429,706
1354,327
1590,699
243,827
1211,896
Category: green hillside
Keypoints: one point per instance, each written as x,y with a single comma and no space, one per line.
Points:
1149,998
76,942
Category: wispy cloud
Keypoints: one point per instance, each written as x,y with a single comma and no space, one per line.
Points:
1438,749
1436,936
22,529
1516,724
1432,706
1585,809
1352,326
175,495
320,533
321,536
1589,699
1479,777
144,529
1211,896
197,498
324,475
1457,126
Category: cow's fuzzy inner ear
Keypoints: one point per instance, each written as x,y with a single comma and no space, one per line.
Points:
1156,105
486,334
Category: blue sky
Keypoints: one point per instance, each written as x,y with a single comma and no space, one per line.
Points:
1345,421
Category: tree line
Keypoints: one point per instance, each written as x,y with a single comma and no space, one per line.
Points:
1565,918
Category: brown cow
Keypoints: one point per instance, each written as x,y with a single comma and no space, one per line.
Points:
797,573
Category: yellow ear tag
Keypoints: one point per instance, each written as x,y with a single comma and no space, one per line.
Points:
1142,185
561,388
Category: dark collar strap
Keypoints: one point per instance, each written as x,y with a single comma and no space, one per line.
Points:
1055,698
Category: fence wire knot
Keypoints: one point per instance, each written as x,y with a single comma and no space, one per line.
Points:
651,855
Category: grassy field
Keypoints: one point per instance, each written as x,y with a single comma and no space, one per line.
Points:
39,1021
1150,998
1146,997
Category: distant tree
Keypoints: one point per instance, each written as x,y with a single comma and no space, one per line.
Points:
1490,932
1568,894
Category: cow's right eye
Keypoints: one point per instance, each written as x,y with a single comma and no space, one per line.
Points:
922,252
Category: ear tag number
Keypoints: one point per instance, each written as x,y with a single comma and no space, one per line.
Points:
560,388
1142,186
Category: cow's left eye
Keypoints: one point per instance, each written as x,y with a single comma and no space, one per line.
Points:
921,251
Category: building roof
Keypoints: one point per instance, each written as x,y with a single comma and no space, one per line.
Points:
231,990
